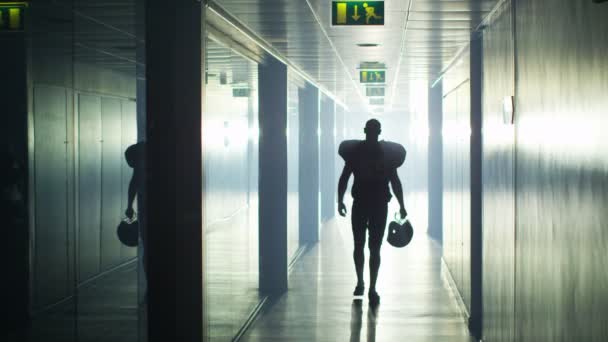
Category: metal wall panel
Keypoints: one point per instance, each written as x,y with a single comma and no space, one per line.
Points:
309,161
51,263
89,185
273,264
77,47
456,176
498,181
111,208
561,171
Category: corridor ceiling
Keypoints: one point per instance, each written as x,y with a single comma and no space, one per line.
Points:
418,40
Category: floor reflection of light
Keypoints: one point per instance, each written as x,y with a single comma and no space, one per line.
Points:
415,306
403,272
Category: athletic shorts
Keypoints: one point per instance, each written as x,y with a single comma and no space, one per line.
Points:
370,217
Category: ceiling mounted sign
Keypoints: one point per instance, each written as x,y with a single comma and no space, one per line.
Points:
372,76
376,101
241,92
374,91
357,13
12,16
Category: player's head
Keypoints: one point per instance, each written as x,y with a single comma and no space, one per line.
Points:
372,129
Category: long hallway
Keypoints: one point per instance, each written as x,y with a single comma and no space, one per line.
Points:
416,303
176,171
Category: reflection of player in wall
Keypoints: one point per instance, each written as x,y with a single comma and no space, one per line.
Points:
134,156
374,165
12,189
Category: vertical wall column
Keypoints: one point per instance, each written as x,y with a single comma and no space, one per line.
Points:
435,162
475,320
308,101
14,179
140,29
174,184
272,75
340,136
328,158
141,115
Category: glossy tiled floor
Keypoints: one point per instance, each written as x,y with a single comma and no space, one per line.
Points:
103,310
416,304
232,273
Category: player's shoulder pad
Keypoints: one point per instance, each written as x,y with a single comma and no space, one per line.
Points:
394,154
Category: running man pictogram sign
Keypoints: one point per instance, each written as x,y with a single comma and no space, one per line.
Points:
372,76
357,13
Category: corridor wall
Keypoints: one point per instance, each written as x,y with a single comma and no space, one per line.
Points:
498,179
545,188
230,146
82,117
561,173
293,164
456,176
82,120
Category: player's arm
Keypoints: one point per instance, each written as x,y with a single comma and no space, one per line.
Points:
132,192
342,185
398,191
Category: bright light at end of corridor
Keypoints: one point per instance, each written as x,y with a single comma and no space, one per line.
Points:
454,132
419,131
224,134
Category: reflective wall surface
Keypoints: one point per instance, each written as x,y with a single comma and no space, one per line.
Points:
82,100
456,176
230,144
545,176
293,164
498,180
561,171
545,169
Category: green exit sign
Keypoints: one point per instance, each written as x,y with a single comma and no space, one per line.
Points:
355,13
376,101
12,16
372,76
374,91
240,92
